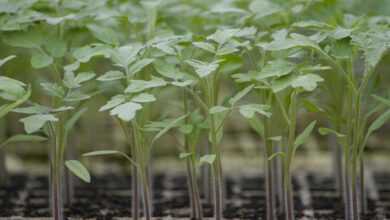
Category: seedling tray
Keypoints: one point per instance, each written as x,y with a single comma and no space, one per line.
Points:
109,197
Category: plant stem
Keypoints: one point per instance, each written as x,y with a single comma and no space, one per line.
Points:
363,195
217,172
269,189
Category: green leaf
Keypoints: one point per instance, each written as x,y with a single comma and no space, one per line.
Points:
208,158
168,126
167,70
40,60
249,110
113,102
78,170
263,8
139,65
327,131
71,122
136,86
144,98
311,106
6,59
23,138
53,89
276,68
85,53
108,153
104,34
4,109
32,39
126,111
185,155
275,138
203,69
56,47
11,89
308,82
296,40
205,46
111,75
35,122
34,109
240,95
382,100
304,135
84,76
218,109
379,122
277,154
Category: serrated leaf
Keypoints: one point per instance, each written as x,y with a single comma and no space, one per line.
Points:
78,170
34,123
276,68
126,111
249,110
40,60
208,158
111,75
85,53
304,135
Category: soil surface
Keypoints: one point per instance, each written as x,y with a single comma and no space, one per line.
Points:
109,197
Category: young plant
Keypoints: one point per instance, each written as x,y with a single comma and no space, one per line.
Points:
220,47
287,82
14,93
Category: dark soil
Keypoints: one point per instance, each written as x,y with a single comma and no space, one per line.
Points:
110,196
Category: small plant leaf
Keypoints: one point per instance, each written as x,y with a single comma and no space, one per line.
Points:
6,59
23,138
136,86
327,131
78,170
126,111
308,82
240,95
108,153
113,102
168,126
184,155
111,75
104,34
73,119
382,100
208,158
205,46
277,154
276,68
218,109
379,122
40,60
35,122
144,98
139,65
203,69
304,135
249,110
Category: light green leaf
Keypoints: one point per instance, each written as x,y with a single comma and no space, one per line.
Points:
23,138
308,82
327,131
108,153
84,76
304,135
126,111
208,158
71,122
85,53
277,154
185,155
263,8
382,100
35,122
205,46
379,122
6,59
40,60
144,98
136,86
4,109
249,110
104,34
11,89
111,75
53,89
203,69
113,102
218,109
32,39
34,109
276,68
168,126
139,65
78,170
240,95
55,46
